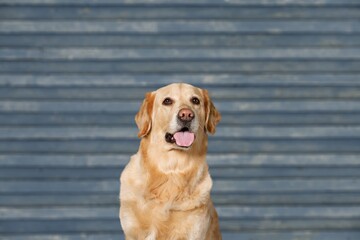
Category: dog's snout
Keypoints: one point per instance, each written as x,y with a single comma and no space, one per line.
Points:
186,115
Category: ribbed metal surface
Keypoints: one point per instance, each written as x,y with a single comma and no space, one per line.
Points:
284,74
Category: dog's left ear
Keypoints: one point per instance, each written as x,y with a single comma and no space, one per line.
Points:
212,116
143,117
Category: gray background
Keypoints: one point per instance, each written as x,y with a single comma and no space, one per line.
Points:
284,74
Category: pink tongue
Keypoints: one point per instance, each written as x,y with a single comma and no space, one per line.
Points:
184,139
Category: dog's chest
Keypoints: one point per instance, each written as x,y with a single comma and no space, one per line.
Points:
170,190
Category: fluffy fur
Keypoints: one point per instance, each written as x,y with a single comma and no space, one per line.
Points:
165,189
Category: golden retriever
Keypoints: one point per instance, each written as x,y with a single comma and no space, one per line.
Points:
165,188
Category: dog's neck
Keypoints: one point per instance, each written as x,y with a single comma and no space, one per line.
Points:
168,171
172,160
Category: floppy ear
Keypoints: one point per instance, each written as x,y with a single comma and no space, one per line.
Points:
143,117
212,116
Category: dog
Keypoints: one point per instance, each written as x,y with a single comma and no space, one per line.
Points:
165,188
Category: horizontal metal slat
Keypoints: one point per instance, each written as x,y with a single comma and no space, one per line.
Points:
328,185
220,186
73,133
94,119
284,199
112,93
172,12
214,160
154,81
283,132
59,213
177,40
109,186
246,212
110,199
187,2
105,146
283,160
223,106
104,225
310,235
290,225
64,119
46,173
180,26
178,54
188,66
60,226
53,199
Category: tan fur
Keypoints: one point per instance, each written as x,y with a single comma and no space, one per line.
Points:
165,190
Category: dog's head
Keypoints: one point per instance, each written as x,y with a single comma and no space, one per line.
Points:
176,115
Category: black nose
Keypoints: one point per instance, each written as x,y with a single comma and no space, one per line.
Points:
186,115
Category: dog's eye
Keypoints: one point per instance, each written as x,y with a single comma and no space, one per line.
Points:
195,100
167,101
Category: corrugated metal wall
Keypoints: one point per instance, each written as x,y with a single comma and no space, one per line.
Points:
284,74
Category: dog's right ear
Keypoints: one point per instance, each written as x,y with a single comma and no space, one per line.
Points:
143,117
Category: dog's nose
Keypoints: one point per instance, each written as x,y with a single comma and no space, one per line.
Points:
186,115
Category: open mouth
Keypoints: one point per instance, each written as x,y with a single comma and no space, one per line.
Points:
183,138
